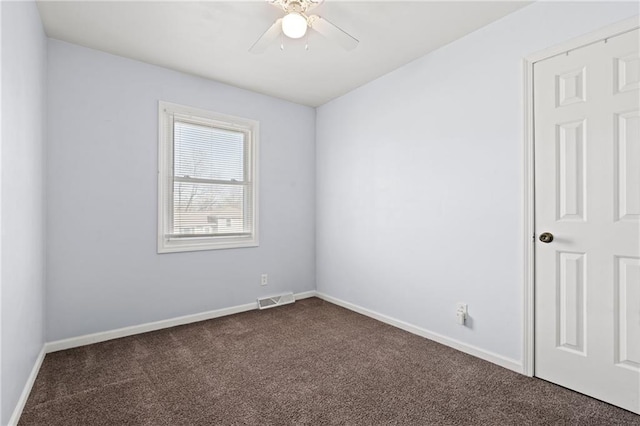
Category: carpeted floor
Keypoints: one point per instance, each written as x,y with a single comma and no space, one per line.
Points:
307,363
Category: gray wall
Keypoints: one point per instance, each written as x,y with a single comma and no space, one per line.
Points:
417,189
419,180
22,197
103,270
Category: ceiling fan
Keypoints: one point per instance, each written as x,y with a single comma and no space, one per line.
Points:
296,22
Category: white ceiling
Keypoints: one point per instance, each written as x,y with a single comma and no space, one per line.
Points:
211,39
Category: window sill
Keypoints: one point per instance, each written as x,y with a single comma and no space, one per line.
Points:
180,245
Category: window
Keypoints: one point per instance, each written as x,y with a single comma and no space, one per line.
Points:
207,186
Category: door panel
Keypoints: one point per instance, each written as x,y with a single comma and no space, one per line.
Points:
571,299
628,174
571,171
587,194
627,297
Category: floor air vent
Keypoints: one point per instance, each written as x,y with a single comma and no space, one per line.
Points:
273,301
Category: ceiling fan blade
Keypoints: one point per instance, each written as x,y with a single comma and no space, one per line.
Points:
267,38
333,32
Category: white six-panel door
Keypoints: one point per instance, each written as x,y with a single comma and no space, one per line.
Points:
587,195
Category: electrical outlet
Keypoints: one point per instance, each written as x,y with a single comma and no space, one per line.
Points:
461,313
264,279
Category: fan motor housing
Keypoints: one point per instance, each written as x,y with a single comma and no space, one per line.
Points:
299,6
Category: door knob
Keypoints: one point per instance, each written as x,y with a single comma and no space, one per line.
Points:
546,237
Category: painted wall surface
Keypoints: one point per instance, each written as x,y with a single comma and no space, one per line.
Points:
103,269
419,180
22,191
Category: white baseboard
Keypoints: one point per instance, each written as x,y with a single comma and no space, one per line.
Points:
305,295
500,360
22,401
187,319
88,339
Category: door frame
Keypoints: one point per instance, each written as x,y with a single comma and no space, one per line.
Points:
528,177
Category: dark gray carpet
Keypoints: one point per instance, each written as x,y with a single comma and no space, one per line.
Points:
307,363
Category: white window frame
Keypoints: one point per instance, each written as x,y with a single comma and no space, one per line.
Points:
169,244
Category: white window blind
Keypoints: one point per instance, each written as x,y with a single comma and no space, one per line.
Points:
208,195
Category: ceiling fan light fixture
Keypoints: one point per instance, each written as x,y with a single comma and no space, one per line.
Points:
294,25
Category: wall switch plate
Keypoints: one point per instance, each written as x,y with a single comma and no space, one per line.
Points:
461,313
264,279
